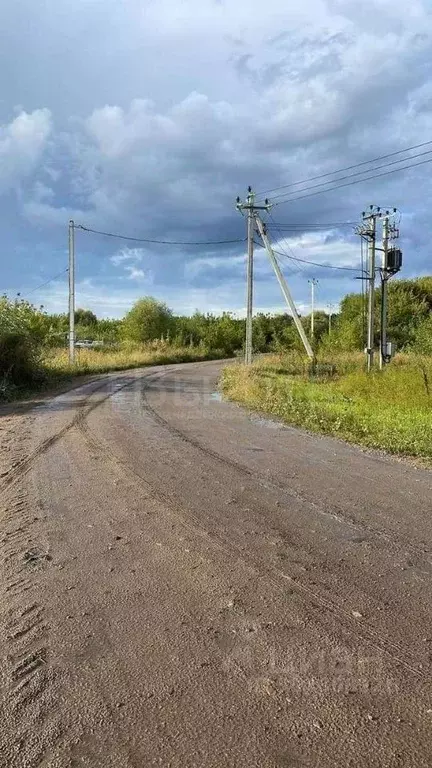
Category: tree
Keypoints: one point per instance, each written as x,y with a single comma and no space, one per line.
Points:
422,343
321,323
147,320
85,317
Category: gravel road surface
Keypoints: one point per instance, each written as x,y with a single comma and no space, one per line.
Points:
186,584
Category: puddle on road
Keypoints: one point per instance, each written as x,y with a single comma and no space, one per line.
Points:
216,397
260,421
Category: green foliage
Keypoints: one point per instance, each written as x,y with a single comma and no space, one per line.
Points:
148,320
390,410
23,329
409,305
422,343
85,317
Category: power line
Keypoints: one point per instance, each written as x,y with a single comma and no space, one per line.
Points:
42,285
359,173
158,242
284,241
357,181
316,263
347,168
313,263
324,225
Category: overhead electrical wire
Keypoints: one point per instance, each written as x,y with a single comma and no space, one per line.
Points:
159,242
308,261
305,261
359,173
356,181
306,226
347,168
285,245
42,285
316,263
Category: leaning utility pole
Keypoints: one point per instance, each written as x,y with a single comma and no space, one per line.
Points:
71,292
313,283
254,218
284,287
251,209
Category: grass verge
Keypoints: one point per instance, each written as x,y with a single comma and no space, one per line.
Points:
389,410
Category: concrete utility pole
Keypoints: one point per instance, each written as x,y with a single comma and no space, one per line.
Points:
249,278
391,264
368,231
371,299
330,308
313,283
251,208
71,292
284,287
384,279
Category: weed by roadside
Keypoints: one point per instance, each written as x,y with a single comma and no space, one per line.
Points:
55,367
389,410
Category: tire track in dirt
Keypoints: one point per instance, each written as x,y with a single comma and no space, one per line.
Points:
272,482
277,577
22,466
24,631
27,678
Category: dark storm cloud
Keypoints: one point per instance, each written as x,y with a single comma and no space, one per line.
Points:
150,118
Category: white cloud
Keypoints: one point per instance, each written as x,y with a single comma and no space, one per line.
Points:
135,274
127,254
326,247
22,142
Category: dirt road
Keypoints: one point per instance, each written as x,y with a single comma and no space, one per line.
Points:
184,584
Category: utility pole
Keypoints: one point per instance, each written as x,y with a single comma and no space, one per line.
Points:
330,308
251,209
371,300
391,263
249,278
313,283
368,231
71,292
384,278
284,287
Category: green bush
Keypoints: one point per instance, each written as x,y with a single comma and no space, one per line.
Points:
22,332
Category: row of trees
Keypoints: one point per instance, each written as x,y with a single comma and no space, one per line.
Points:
409,323
25,329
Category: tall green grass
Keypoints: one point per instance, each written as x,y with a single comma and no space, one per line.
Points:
54,367
88,361
389,409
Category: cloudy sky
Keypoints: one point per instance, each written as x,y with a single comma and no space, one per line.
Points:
149,117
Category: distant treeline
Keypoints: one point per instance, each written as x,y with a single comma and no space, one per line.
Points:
25,330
